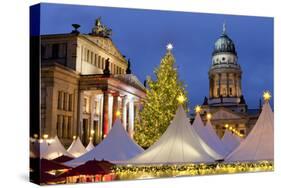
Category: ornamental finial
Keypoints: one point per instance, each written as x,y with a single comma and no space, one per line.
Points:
224,28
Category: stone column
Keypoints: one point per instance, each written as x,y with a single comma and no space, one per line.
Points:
81,102
240,86
211,87
51,112
131,117
227,84
124,112
92,110
65,127
220,92
105,113
115,107
60,127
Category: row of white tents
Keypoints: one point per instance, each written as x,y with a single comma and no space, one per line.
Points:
181,143
53,148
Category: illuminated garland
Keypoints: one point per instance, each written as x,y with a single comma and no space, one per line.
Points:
144,172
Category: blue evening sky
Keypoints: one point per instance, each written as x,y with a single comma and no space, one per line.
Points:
142,35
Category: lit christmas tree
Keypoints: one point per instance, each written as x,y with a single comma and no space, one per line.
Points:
161,102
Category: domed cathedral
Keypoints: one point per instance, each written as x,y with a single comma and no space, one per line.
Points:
226,102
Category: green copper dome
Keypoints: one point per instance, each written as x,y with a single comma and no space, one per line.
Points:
224,44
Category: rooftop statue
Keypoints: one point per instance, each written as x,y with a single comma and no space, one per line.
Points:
101,30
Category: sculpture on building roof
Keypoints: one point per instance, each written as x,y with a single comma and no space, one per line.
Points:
106,70
101,30
128,70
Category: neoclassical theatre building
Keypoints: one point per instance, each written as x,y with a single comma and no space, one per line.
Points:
226,102
86,83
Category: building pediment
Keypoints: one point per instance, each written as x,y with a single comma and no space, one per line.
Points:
225,114
107,45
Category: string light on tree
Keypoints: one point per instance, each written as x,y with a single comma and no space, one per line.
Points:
198,109
163,96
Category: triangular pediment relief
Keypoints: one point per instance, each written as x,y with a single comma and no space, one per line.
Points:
107,45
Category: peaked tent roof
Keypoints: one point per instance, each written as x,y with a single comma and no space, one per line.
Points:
38,148
76,148
230,141
209,138
179,144
56,149
117,146
90,146
259,144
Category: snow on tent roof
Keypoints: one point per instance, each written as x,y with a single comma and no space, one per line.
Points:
209,139
179,144
259,144
90,146
230,141
56,149
76,148
117,146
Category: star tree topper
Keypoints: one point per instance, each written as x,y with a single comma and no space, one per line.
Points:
169,47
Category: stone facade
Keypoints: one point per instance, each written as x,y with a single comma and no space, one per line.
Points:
77,98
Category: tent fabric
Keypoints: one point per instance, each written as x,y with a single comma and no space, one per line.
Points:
90,146
56,149
117,146
47,165
179,144
76,148
259,144
209,139
230,141
38,148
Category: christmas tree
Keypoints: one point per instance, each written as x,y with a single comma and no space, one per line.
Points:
161,102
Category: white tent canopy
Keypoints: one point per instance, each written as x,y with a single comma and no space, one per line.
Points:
179,144
76,148
209,138
259,144
117,146
38,148
230,141
56,149
90,146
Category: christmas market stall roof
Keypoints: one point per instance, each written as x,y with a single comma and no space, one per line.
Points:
92,167
38,148
90,146
179,144
117,146
230,141
56,149
76,148
62,159
259,144
209,139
